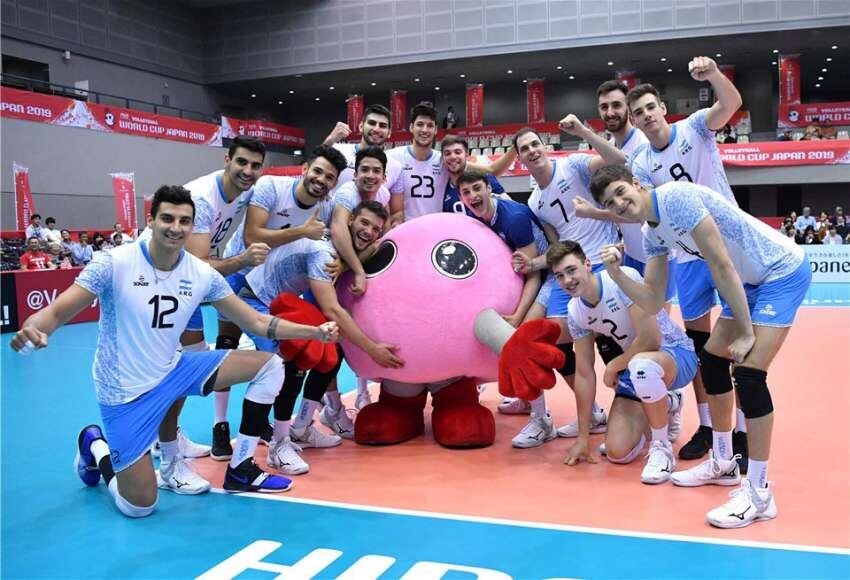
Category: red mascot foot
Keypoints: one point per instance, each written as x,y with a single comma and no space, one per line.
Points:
391,419
459,420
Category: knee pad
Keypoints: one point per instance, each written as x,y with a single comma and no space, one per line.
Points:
569,367
648,379
631,455
225,342
715,373
753,392
267,382
608,348
197,347
699,337
127,508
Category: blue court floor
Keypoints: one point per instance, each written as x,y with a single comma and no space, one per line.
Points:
54,527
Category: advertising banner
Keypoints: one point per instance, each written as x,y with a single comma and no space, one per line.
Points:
398,110
628,78
830,263
124,188
536,100
35,289
355,107
789,79
24,206
265,131
474,105
803,115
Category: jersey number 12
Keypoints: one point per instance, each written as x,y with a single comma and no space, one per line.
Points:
159,320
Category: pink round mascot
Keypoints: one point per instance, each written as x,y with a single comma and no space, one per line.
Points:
426,286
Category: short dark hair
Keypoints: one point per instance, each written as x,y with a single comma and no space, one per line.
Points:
606,176
377,110
50,220
31,238
64,230
374,152
520,133
641,90
560,250
471,176
176,194
333,156
35,215
423,110
247,142
610,86
449,140
374,206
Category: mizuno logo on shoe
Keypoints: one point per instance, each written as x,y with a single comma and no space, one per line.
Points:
740,516
180,484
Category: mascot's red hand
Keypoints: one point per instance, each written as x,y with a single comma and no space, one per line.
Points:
307,354
528,358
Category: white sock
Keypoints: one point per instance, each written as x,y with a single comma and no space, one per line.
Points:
221,400
305,414
362,385
99,449
673,402
740,422
659,434
757,473
281,430
244,449
722,444
334,401
704,414
169,450
538,406
596,408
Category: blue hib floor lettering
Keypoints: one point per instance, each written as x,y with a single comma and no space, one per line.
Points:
54,527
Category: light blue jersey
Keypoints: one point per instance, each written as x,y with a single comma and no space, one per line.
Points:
290,268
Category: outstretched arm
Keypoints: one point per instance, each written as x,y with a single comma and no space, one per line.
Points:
40,325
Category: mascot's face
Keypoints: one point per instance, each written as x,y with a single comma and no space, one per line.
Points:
426,284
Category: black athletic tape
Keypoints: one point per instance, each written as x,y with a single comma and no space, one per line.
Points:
569,367
255,417
699,337
753,393
715,373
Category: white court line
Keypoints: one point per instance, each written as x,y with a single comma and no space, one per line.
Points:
548,526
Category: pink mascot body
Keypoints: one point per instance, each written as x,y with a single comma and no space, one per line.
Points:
428,282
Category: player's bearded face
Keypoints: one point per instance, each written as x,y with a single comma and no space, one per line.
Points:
612,110
320,177
244,168
375,129
365,229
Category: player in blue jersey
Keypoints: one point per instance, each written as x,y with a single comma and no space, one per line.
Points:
656,359
148,292
762,276
455,152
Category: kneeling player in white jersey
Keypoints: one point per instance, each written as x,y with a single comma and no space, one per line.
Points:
657,359
149,290
763,278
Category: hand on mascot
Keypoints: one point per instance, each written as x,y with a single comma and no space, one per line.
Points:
306,353
528,358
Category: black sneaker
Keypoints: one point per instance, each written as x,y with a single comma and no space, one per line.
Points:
740,449
248,477
266,434
699,444
221,449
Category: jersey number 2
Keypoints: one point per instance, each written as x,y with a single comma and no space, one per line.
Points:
159,320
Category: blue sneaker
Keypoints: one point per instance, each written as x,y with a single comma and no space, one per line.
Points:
248,477
84,462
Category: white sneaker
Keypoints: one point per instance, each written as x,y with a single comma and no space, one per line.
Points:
340,423
674,418
283,457
745,506
598,424
660,463
712,471
178,476
603,449
538,431
514,406
185,447
309,436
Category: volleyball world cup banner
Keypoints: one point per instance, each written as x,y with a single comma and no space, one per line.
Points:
789,79
536,100
803,115
354,103
124,188
398,110
24,206
265,131
474,105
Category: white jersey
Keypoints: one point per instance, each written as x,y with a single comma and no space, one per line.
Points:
759,253
393,170
276,195
214,215
423,182
554,205
289,268
610,316
348,197
143,311
632,238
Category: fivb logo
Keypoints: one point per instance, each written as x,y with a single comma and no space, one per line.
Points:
369,567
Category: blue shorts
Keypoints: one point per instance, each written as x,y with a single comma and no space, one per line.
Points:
131,428
558,300
671,274
262,343
776,303
196,321
236,281
686,369
696,289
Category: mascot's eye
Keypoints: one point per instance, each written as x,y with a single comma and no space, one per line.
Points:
454,259
383,259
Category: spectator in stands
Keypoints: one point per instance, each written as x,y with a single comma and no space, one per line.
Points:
450,120
791,232
785,223
98,241
812,133
726,135
34,230
832,237
51,234
809,237
34,258
118,238
839,211
66,242
823,224
805,220
786,136
81,252
841,227
56,257
116,229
